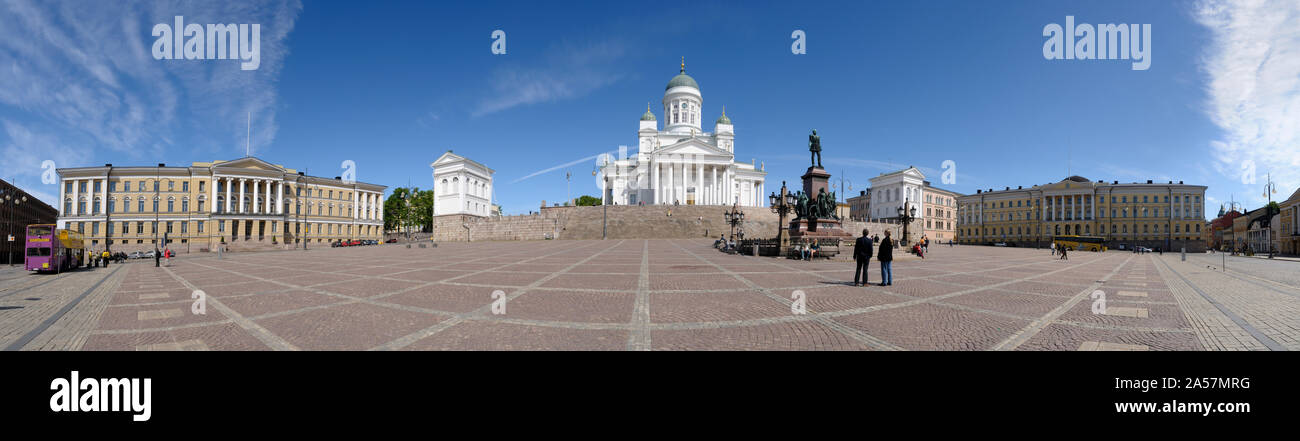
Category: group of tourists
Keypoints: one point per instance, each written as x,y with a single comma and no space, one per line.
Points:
862,250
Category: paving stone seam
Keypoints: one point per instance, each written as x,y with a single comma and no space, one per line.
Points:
1020,337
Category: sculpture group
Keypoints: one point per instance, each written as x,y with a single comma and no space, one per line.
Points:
821,206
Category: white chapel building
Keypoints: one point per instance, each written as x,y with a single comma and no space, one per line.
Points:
683,164
461,186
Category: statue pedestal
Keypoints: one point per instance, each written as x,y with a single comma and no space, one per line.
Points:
815,180
817,229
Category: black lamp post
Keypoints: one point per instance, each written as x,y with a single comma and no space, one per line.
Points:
782,204
13,207
604,216
735,217
905,216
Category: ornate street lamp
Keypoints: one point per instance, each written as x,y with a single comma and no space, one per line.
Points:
13,207
735,218
905,216
782,204
604,217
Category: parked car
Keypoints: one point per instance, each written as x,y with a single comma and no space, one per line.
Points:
1000,244
134,255
391,241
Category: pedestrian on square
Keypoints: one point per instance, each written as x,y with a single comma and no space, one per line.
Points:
1053,248
862,249
886,258
1063,254
105,257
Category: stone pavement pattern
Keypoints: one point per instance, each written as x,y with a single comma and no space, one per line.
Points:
651,294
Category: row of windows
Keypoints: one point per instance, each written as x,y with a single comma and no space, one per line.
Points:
185,187
321,208
1114,213
1088,199
138,228
1085,229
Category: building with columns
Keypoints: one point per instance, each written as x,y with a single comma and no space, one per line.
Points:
461,186
1168,216
244,204
683,164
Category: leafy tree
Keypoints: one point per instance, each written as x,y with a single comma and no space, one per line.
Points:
587,201
408,207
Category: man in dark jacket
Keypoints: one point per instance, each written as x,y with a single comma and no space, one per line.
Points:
886,258
862,254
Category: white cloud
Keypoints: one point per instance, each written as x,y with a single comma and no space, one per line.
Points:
82,74
566,72
1253,69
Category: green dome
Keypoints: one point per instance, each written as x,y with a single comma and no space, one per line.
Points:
723,119
682,79
648,116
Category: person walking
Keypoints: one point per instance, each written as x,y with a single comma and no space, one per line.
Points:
1053,248
862,249
105,257
886,258
1064,251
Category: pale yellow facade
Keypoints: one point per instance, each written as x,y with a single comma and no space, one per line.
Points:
1164,215
245,204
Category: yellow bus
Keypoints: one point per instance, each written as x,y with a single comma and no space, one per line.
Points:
1080,243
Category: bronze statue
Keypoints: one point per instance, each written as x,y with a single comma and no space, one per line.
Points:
815,146
821,204
800,205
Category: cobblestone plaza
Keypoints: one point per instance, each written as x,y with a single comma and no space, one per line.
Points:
654,295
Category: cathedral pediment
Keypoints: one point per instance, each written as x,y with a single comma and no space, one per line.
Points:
693,147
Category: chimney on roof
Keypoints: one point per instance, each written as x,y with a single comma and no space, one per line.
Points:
161,164
863,193
978,191
1115,183
1008,187
108,165
1148,181
338,178
1180,182
1020,187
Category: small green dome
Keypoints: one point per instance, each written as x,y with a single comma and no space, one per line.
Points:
648,115
723,119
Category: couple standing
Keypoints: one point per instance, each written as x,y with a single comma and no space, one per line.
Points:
862,254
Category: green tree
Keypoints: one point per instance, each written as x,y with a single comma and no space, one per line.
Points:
408,208
587,201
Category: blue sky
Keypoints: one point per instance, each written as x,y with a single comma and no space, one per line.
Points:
393,85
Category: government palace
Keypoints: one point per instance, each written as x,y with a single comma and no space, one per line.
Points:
1166,216
244,204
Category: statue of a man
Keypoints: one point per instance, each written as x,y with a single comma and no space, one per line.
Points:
815,146
822,201
801,205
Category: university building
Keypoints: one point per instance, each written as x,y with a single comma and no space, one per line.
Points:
245,204
1168,216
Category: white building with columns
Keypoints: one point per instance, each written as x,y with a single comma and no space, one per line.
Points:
461,186
246,203
893,190
683,164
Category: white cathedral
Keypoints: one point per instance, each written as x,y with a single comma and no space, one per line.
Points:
683,164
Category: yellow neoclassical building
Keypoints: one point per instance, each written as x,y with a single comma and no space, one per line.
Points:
244,204
1164,215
